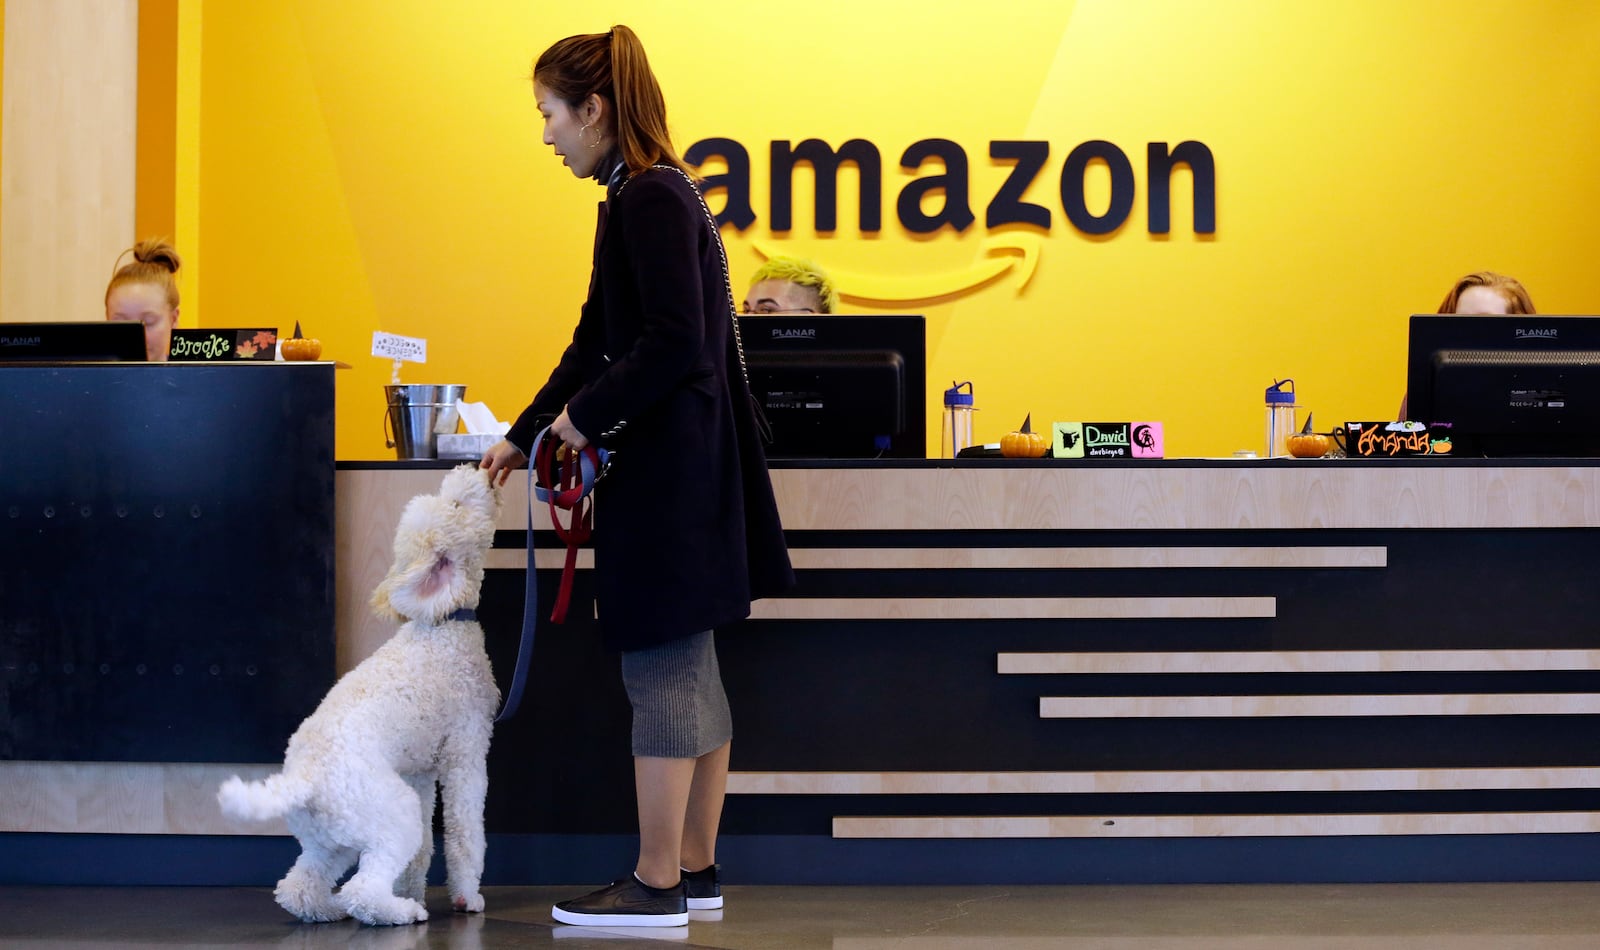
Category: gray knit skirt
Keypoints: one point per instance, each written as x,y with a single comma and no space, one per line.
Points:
679,708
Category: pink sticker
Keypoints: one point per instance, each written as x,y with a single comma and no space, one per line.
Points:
1147,441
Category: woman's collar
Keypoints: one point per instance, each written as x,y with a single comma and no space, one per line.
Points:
610,170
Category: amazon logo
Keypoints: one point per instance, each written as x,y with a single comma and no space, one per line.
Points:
1027,160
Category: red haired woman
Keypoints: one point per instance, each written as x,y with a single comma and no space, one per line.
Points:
1483,293
144,291
1486,292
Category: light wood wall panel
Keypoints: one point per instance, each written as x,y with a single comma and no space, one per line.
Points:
994,559
1300,661
1219,826
1008,608
1007,559
125,798
1387,704
67,157
1158,782
1175,496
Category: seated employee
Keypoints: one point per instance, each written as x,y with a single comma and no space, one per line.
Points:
785,285
1487,293
1483,293
144,291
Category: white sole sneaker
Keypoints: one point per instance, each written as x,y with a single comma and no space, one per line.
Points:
620,920
633,934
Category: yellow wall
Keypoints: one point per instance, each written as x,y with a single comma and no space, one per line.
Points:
376,164
155,177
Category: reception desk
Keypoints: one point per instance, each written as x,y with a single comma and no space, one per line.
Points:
1026,671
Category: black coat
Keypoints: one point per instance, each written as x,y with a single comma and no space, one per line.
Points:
686,529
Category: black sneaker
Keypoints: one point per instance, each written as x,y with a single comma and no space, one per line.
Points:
626,903
703,889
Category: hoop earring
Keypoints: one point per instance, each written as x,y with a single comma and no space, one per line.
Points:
588,128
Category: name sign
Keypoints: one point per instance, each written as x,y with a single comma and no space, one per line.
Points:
1393,439
1107,440
217,345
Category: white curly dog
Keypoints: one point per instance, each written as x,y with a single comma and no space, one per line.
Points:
358,778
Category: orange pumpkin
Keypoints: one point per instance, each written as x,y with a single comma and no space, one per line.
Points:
1309,445
298,347
1024,445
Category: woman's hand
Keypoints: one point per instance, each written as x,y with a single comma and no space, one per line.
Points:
501,458
567,432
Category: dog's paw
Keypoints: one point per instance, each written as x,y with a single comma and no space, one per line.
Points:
382,910
312,911
468,903
400,912
308,899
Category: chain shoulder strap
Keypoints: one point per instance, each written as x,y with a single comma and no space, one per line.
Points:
722,254
727,286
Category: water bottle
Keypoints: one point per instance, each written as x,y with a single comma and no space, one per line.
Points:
958,409
1280,417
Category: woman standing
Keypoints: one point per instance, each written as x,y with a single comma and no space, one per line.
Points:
687,532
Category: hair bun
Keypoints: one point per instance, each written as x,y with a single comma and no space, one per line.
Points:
157,251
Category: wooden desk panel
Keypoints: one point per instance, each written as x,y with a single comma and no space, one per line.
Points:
897,693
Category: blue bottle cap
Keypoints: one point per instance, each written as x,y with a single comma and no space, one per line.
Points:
955,398
1276,396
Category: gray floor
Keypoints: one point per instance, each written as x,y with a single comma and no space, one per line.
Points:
1326,917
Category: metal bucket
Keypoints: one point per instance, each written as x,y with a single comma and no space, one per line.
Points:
415,416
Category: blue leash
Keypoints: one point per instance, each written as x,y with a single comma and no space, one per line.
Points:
591,466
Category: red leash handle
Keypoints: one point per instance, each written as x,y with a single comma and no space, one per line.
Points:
565,483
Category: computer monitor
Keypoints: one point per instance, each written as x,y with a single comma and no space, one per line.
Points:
840,386
100,341
1520,385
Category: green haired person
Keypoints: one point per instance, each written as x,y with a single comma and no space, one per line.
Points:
791,285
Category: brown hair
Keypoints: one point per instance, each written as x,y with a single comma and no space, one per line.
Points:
154,262
1516,296
613,66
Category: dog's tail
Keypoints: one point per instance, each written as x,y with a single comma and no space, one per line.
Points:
260,801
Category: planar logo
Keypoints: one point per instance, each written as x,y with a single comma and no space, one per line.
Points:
1537,333
930,202
806,334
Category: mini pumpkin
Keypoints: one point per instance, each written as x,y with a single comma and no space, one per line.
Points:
1024,443
1309,445
300,347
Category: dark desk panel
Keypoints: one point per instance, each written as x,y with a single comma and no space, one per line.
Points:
166,562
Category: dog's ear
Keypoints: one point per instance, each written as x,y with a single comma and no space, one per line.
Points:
426,588
434,587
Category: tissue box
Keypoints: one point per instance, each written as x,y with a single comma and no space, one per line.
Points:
465,445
